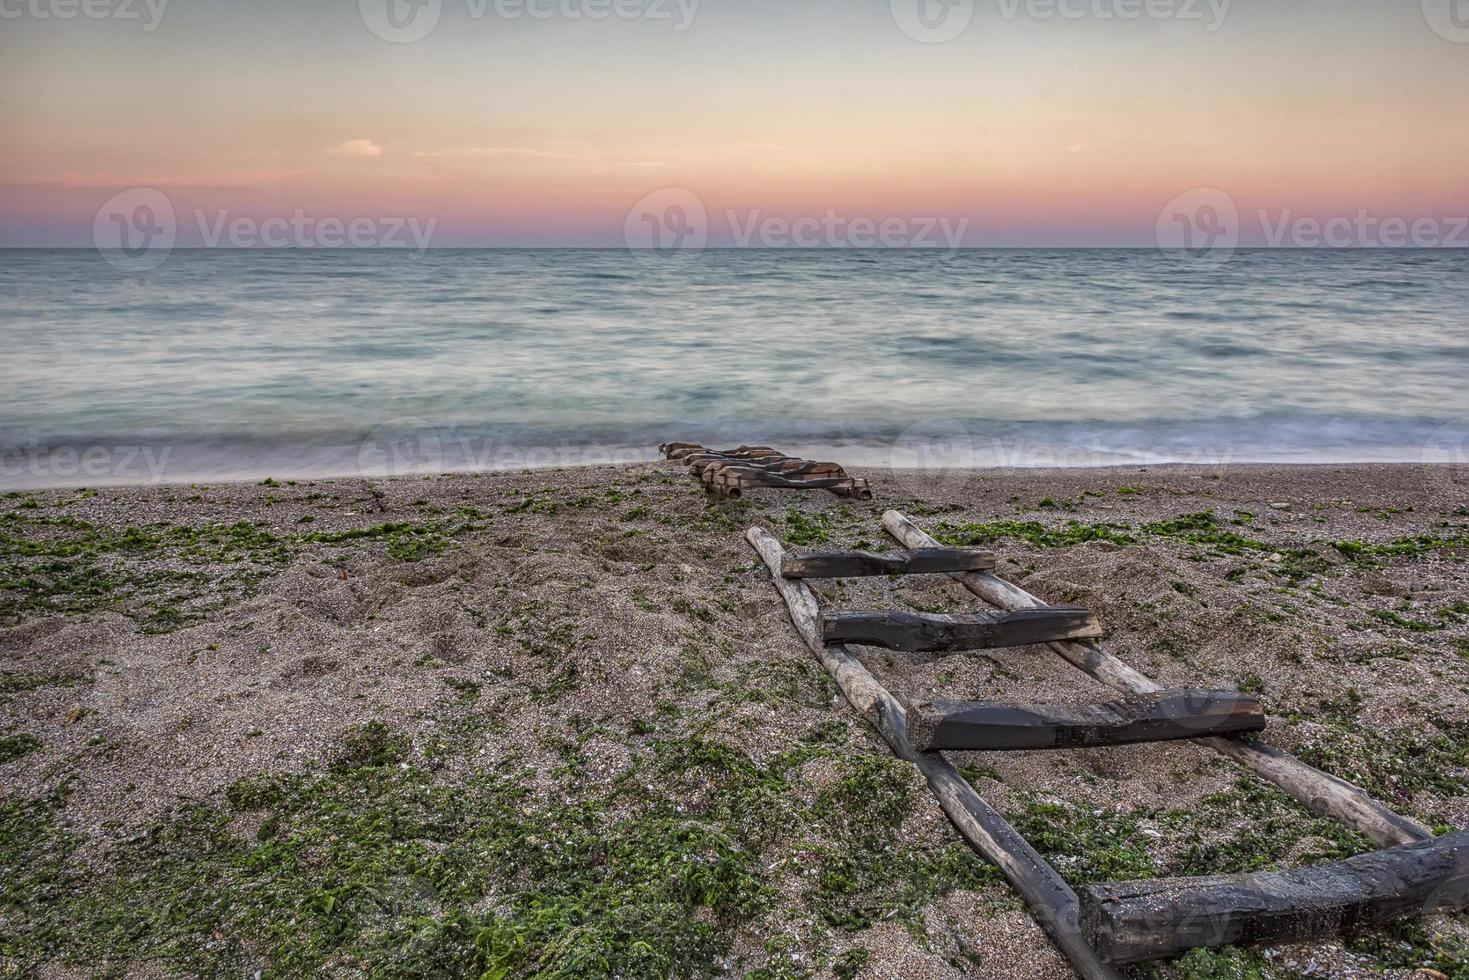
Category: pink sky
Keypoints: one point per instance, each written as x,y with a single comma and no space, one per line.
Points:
528,131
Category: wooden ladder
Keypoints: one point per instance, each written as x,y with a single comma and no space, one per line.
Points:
730,472
1115,923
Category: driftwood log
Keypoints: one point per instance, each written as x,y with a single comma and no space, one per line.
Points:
859,564
1133,921
1321,793
1053,903
928,633
1167,715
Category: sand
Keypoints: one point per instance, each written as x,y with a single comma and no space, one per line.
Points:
639,593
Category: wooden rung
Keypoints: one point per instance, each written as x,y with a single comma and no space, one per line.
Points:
732,481
1136,921
1161,717
684,450
858,564
924,633
782,465
855,487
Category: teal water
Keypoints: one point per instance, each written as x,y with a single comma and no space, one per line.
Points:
240,364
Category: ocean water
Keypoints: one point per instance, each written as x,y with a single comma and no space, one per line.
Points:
240,364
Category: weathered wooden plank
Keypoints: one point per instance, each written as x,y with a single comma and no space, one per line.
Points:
1161,717
670,448
1319,792
683,450
1052,901
1135,921
781,466
740,478
927,633
857,488
859,564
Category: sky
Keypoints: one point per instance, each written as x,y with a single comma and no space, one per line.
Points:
601,122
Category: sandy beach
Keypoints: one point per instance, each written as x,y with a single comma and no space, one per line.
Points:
557,723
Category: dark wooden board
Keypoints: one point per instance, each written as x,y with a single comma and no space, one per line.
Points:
1136,921
925,633
858,564
1160,717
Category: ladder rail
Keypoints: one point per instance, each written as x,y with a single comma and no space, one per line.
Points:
1319,792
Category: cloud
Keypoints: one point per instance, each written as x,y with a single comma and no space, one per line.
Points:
365,149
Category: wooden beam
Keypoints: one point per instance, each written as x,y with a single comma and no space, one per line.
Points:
746,477
783,466
669,449
1319,792
1135,921
1161,717
1052,901
684,450
927,633
859,564
856,487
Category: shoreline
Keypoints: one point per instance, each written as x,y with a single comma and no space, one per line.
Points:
1436,470
551,644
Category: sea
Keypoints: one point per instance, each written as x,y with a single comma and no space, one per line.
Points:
219,364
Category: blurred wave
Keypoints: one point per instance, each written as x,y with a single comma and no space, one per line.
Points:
240,364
